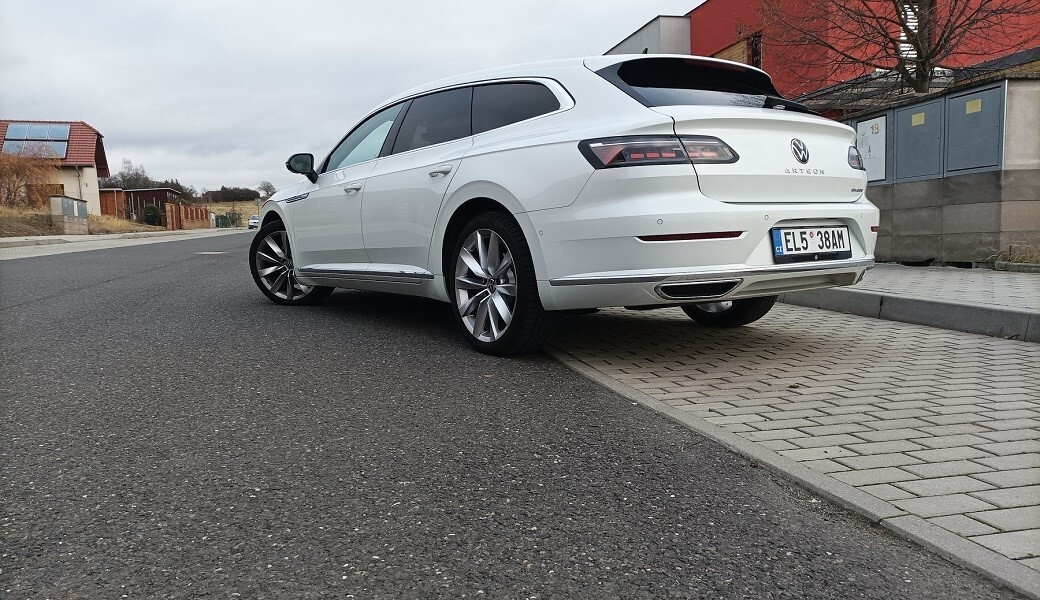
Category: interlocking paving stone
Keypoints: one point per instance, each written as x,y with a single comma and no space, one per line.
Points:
897,423
963,525
1015,478
886,491
874,461
822,430
1016,544
874,476
948,469
816,453
948,441
825,440
1000,424
1010,435
775,434
886,435
1011,519
1017,447
938,506
782,424
1028,495
778,445
884,447
825,465
1015,461
944,486
957,419
953,429
945,454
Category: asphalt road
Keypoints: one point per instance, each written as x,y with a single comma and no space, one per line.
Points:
168,432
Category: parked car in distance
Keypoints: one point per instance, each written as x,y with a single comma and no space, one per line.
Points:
518,193
254,222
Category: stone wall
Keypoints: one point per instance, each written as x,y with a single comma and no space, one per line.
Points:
958,219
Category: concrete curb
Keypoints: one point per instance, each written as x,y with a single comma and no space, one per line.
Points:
986,320
57,239
959,550
1017,267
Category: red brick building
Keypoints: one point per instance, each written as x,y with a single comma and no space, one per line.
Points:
739,30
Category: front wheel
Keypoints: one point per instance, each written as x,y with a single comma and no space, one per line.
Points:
494,290
270,261
730,313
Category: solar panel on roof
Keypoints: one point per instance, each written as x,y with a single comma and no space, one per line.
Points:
58,132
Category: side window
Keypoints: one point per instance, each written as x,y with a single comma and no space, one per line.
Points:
365,142
435,119
502,104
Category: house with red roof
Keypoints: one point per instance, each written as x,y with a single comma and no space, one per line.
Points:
77,146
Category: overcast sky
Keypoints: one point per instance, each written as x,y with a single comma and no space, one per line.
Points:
221,92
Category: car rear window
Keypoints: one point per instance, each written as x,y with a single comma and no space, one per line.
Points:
681,81
501,104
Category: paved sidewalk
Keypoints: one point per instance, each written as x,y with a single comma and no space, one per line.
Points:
27,247
932,433
997,303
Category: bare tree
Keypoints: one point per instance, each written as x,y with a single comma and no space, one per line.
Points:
28,178
266,189
828,40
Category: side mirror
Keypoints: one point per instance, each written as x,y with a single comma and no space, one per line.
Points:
302,164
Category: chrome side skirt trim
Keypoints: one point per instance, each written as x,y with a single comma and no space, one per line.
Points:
796,268
347,275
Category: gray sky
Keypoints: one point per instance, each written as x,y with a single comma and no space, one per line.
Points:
221,92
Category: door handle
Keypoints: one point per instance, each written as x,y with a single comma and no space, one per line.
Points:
440,171
350,189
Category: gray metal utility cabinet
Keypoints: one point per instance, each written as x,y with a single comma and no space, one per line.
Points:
956,175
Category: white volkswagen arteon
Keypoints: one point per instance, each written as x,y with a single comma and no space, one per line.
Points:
517,193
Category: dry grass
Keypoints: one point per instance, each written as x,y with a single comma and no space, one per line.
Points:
1024,253
107,224
17,222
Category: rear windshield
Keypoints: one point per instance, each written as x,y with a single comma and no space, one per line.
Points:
681,81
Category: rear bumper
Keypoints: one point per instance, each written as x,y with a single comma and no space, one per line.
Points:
666,286
605,249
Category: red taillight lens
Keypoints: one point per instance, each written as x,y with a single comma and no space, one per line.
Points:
705,149
628,151
855,160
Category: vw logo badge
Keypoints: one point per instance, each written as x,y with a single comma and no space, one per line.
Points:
801,153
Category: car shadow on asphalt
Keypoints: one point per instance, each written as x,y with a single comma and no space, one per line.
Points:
589,331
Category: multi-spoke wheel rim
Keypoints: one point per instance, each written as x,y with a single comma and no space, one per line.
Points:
716,307
275,268
485,285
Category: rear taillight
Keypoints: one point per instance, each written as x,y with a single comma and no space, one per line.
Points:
606,153
629,151
707,149
855,160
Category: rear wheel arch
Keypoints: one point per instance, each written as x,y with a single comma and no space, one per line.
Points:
463,215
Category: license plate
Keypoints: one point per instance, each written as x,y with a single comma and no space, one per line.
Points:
793,244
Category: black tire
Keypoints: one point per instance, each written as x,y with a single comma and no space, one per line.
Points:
288,291
530,325
739,312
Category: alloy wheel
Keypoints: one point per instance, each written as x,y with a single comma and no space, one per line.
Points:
485,285
275,267
716,307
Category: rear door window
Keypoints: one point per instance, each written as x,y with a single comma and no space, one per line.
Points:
500,104
435,119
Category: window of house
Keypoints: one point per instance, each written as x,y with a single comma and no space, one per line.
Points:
37,139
